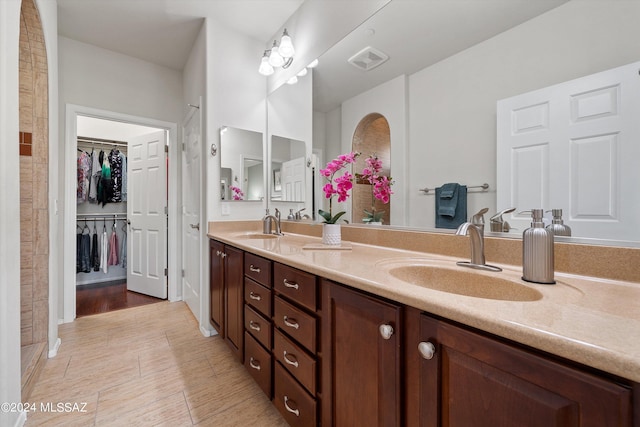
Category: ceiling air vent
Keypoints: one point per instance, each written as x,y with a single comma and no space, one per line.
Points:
368,58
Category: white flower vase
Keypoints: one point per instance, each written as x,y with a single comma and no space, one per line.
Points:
375,223
331,234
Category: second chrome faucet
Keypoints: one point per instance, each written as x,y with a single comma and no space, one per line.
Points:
477,247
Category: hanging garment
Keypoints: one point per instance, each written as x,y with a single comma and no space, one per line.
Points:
105,181
123,249
123,192
96,173
113,249
84,166
85,256
78,250
104,251
116,175
95,253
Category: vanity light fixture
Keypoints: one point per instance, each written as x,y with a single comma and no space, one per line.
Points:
280,55
293,80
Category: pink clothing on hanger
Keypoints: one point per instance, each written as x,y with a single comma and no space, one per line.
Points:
113,249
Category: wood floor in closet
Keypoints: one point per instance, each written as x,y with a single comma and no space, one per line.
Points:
94,299
148,366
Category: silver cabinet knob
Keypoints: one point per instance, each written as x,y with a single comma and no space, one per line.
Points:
386,331
218,253
427,350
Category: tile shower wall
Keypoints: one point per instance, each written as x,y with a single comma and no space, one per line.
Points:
34,217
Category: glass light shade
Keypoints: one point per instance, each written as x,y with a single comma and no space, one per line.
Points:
293,80
275,59
313,64
302,73
265,68
286,46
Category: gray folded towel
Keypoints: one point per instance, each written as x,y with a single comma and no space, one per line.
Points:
448,198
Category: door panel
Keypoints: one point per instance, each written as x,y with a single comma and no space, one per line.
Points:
147,247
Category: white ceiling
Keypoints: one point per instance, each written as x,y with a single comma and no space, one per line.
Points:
415,34
163,31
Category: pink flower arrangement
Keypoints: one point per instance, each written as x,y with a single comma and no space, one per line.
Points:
339,185
237,193
380,187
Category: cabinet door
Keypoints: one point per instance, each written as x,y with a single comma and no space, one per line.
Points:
484,382
234,279
216,286
360,367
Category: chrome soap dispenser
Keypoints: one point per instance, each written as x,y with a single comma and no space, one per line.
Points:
537,251
557,226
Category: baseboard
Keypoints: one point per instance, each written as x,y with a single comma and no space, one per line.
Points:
22,419
208,332
107,281
54,351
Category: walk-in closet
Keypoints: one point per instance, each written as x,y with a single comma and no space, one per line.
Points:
102,224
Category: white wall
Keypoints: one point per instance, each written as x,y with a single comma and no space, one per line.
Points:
452,104
388,99
10,208
235,94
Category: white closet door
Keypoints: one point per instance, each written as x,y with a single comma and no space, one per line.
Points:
574,146
146,202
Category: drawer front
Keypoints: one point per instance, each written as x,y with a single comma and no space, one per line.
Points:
295,360
257,326
258,268
257,361
257,296
299,325
297,285
296,406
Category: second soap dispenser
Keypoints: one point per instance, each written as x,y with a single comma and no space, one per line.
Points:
558,227
537,251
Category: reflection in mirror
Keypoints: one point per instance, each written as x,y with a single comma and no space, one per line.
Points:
288,159
440,98
241,165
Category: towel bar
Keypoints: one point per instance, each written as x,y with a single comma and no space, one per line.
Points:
484,188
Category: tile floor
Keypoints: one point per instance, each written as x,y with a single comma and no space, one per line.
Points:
147,366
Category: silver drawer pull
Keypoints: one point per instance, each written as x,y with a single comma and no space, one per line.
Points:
254,365
293,363
427,350
386,331
292,324
292,285
256,297
288,408
254,269
255,326
218,253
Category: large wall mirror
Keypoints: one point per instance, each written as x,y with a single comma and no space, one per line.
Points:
288,169
449,64
241,165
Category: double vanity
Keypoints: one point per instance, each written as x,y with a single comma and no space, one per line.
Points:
388,330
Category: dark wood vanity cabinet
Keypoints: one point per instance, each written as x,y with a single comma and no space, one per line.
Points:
226,294
362,357
457,377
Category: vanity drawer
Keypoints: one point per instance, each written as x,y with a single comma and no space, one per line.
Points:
258,268
257,326
257,361
257,296
296,285
295,360
299,325
296,406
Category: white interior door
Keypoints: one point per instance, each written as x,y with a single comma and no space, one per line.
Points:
574,146
147,200
191,235
293,177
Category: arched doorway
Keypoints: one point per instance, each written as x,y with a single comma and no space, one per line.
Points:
371,137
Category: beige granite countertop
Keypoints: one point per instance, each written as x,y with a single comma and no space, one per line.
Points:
589,320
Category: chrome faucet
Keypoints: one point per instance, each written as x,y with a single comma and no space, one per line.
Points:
478,219
266,227
477,247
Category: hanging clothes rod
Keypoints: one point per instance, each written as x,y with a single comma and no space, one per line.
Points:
484,187
99,141
101,215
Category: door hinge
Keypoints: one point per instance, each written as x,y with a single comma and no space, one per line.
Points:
184,146
166,210
166,272
166,148
183,272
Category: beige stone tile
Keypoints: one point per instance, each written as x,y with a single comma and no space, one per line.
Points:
41,231
26,335
41,141
256,412
80,413
40,320
26,253
40,277
40,183
26,168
